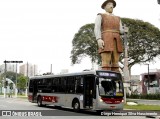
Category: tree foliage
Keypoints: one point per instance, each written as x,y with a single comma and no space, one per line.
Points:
84,44
21,82
10,75
143,42
21,79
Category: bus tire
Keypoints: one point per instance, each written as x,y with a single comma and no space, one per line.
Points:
76,105
39,101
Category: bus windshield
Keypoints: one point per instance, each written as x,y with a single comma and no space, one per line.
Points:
110,86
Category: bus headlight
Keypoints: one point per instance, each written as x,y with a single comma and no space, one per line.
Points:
100,100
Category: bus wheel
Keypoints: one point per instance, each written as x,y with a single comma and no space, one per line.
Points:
39,101
76,106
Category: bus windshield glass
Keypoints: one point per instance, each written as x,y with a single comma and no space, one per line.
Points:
110,85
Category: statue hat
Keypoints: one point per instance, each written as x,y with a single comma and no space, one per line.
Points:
107,1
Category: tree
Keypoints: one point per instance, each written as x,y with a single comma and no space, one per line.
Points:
10,75
21,82
84,44
143,42
21,79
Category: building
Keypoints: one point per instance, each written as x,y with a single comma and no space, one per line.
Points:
64,71
28,69
151,82
9,67
135,84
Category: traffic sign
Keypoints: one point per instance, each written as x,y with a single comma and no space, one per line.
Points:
13,61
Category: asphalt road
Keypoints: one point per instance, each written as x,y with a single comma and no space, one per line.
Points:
21,107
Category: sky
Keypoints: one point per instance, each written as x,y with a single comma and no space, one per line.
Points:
41,31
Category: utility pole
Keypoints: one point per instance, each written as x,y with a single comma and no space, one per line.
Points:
125,69
5,87
51,68
148,76
16,83
27,79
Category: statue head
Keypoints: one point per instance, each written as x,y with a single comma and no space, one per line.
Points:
108,5
108,1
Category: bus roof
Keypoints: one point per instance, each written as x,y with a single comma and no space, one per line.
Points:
86,72
63,75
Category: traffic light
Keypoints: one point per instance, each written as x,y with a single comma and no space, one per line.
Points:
158,1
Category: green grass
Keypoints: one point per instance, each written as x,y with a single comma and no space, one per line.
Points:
142,107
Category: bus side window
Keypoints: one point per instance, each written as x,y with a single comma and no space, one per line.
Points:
70,84
31,86
62,85
79,88
55,85
49,85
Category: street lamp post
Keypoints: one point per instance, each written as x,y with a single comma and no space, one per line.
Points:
148,77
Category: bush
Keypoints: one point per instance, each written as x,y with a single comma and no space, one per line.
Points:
146,96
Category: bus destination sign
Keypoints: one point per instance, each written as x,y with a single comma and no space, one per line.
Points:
107,74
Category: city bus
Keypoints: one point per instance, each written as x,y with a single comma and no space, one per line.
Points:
90,90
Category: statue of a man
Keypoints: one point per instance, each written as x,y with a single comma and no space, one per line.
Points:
107,31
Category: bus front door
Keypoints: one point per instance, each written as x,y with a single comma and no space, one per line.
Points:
35,90
88,91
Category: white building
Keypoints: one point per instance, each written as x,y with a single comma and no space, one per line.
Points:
28,69
9,67
136,86
64,71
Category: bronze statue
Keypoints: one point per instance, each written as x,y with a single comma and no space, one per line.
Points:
108,29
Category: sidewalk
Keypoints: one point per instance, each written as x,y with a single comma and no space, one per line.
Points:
13,96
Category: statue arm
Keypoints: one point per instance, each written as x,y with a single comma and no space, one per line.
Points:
97,31
97,28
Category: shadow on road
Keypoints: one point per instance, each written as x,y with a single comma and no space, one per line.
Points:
85,112
69,112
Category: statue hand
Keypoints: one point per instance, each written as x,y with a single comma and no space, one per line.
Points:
100,43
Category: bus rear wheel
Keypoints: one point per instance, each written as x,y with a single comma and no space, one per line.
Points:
76,106
39,101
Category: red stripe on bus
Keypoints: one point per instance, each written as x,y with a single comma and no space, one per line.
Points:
112,100
50,98
30,97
